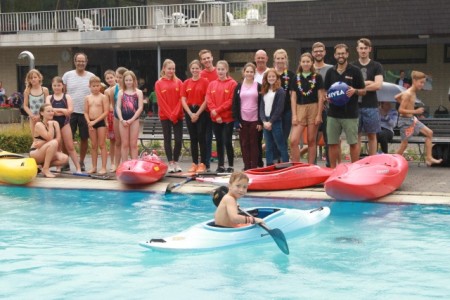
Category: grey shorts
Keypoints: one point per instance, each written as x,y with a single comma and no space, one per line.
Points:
369,120
409,127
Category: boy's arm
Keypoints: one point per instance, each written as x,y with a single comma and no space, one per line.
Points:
86,110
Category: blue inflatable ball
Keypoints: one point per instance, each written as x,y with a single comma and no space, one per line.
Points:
337,93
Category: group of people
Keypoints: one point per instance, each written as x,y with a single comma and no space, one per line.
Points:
80,103
276,104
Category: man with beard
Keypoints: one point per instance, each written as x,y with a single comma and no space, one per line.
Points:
369,119
345,117
318,52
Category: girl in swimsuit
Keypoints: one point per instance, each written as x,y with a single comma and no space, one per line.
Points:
63,106
112,93
130,103
46,139
34,96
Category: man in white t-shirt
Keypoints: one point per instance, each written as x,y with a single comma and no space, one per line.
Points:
261,60
77,86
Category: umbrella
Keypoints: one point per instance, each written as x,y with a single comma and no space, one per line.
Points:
388,92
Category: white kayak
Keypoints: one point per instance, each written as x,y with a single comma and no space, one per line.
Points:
206,236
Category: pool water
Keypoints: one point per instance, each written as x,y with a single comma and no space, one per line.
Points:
69,244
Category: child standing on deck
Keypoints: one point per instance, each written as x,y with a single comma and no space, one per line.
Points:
62,107
130,103
168,92
409,125
96,108
34,96
271,113
110,78
219,98
227,212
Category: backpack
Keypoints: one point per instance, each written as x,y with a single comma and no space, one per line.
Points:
442,151
441,112
16,100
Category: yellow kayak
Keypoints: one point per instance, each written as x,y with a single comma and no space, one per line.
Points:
16,169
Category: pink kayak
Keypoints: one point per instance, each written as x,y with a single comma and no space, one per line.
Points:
369,178
145,170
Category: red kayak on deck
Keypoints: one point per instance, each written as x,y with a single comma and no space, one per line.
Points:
369,178
286,176
147,169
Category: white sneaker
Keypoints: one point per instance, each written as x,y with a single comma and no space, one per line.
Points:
177,167
171,168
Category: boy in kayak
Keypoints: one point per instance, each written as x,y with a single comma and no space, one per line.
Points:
409,125
227,211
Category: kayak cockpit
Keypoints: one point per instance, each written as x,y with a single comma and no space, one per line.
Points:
262,213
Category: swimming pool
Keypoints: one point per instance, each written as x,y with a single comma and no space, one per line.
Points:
71,244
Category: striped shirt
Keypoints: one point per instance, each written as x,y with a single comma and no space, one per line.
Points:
78,88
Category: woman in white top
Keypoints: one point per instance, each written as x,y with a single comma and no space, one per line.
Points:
271,112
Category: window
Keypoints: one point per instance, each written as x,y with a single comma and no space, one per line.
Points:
401,54
447,53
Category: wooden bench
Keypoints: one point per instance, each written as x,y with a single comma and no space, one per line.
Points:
441,135
152,131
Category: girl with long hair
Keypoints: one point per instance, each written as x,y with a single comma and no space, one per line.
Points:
34,96
246,102
307,102
193,94
271,113
168,89
130,103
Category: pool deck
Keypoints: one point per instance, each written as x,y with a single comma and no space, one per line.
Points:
423,185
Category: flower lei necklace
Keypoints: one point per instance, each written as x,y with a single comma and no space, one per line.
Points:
286,79
312,83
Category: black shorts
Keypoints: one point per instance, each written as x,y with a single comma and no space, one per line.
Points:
78,121
99,124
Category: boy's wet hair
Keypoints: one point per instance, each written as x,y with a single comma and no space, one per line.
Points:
94,79
238,176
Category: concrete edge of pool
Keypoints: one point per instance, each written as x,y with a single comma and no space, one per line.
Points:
314,193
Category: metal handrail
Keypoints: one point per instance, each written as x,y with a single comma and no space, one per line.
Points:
132,17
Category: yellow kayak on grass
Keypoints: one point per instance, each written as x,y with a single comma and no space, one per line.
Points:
16,169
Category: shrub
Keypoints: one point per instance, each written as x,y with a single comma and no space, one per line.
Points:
15,138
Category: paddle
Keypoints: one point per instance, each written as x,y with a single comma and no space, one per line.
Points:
172,186
94,176
276,234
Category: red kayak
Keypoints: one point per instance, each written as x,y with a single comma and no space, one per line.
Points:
286,176
369,178
147,169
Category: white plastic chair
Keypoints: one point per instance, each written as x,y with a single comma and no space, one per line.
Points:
233,21
252,16
161,20
89,25
80,24
195,22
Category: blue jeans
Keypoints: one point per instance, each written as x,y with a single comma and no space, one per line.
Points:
286,122
275,140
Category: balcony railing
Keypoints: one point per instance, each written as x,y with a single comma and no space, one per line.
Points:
136,17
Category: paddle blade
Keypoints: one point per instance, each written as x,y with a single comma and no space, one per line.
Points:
170,187
280,240
278,237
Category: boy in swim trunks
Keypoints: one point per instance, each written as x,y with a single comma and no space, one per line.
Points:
96,108
409,125
227,211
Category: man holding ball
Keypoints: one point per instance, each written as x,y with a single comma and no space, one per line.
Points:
343,110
